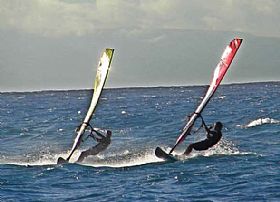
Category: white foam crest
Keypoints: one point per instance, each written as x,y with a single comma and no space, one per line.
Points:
45,159
120,97
126,158
135,162
123,159
224,147
262,121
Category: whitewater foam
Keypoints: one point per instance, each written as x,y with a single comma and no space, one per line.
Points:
262,121
126,158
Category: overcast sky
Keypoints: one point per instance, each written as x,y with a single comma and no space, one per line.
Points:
46,38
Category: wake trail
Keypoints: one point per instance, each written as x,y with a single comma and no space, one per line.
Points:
126,158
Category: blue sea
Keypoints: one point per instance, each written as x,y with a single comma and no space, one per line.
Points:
38,127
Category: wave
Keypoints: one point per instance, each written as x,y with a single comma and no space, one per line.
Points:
223,148
262,121
125,158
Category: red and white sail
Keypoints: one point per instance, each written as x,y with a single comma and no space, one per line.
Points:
218,76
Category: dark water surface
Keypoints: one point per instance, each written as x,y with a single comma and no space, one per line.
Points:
38,127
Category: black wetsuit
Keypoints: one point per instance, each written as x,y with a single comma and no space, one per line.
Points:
213,137
103,143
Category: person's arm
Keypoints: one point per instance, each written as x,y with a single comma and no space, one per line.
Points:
203,123
97,136
100,137
210,133
205,126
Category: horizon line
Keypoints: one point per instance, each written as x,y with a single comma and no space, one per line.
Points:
137,87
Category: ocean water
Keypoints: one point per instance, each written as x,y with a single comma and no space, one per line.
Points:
38,127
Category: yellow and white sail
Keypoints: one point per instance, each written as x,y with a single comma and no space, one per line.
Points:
100,79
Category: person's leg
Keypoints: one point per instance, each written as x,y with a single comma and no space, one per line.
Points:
189,149
202,145
92,151
83,155
199,146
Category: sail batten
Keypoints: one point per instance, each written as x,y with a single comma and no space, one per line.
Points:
218,75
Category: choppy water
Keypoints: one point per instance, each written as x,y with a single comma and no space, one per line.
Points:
38,127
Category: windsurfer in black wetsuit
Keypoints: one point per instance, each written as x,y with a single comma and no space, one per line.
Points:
213,137
103,141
